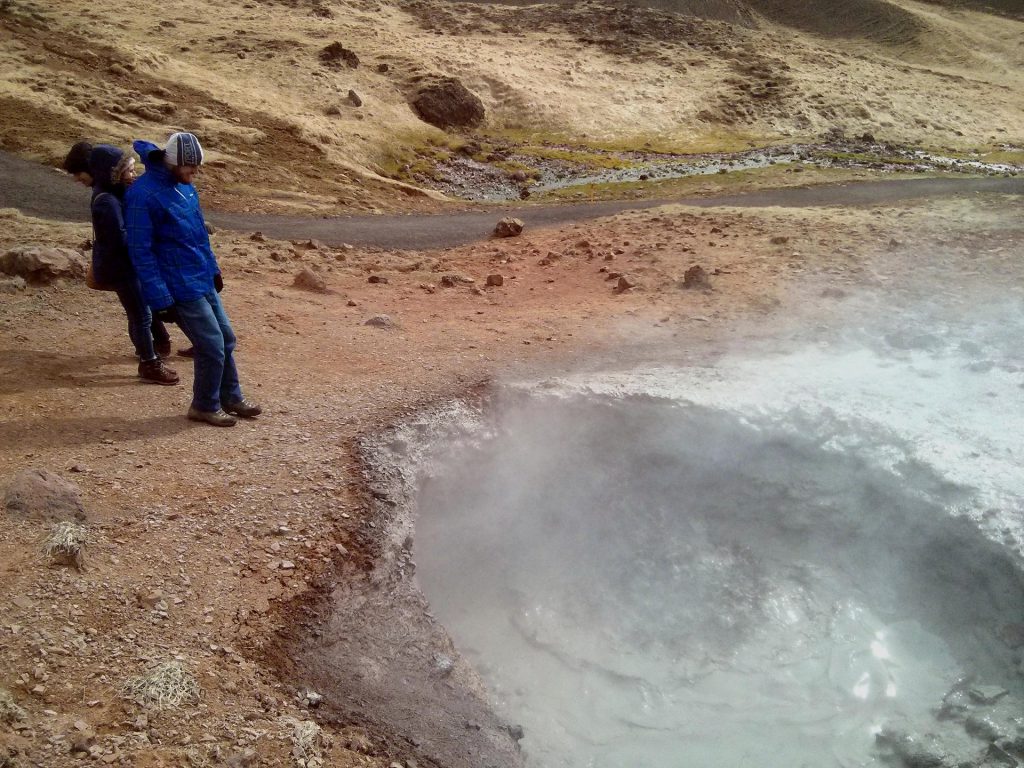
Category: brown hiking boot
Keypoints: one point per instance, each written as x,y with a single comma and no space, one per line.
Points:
245,408
218,418
155,372
162,348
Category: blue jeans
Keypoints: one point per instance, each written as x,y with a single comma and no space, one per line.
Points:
209,330
142,328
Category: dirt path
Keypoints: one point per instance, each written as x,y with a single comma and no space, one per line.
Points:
43,192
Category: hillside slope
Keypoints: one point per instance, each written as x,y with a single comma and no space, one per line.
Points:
283,134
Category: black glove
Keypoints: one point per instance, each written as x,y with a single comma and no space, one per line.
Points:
167,314
218,282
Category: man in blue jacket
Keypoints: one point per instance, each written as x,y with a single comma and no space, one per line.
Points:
170,249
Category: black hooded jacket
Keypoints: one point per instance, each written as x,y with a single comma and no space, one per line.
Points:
110,262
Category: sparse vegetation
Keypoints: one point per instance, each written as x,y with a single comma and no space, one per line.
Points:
165,686
307,742
66,543
10,712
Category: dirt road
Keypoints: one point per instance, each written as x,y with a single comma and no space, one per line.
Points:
45,193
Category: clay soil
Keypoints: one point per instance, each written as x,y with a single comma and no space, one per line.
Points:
225,548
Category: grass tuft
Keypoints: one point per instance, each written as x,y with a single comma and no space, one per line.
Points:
166,686
66,543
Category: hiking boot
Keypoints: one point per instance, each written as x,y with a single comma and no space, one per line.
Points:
190,352
155,372
244,408
163,348
218,418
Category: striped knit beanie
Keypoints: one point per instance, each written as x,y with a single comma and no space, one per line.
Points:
183,149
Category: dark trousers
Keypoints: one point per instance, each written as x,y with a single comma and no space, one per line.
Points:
143,329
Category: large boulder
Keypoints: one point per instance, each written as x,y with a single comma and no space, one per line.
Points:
447,103
39,494
41,265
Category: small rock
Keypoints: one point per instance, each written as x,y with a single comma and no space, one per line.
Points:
313,699
380,321
287,565
454,280
308,280
516,732
334,110
351,303
495,280
779,240
150,599
42,265
382,68
508,227
696,277
377,279
625,283
354,100
335,55
42,495
257,237
986,694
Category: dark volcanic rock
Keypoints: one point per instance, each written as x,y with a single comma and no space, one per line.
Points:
335,54
448,103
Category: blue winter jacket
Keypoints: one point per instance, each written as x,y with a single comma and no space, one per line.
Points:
110,262
167,238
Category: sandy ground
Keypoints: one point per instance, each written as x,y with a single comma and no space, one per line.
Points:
210,546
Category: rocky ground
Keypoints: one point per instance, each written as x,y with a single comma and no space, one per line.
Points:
208,552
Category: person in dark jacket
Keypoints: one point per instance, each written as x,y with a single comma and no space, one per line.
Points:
112,171
77,163
170,250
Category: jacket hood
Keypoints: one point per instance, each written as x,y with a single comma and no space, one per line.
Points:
152,156
102,160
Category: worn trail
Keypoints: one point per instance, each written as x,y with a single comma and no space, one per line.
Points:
46,193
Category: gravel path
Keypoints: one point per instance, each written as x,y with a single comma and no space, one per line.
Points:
43,192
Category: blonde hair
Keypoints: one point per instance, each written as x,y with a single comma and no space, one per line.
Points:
127,161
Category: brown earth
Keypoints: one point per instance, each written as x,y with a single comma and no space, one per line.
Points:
219,547
694,75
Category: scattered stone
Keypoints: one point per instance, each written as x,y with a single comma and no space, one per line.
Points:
508,227
986,694
982,728
516,732
377,279
382,68
443,664
312,699
308,280
42,495
447,103
625,283
779,240
380,321
495,280
351,303
353,99
40,265
867,138
257,237
287,565
696,277
334,110
454,280
335,55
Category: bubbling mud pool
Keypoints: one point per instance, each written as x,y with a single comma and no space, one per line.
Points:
811,559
